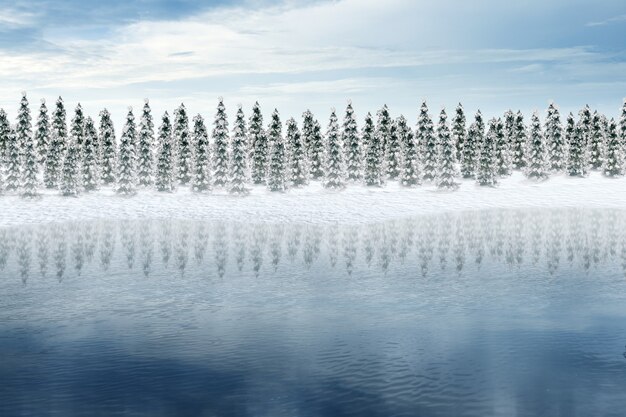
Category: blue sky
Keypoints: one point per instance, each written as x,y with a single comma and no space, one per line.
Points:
299,54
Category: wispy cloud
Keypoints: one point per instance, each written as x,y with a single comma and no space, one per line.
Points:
611,20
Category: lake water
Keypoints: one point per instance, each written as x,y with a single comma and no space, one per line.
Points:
490,313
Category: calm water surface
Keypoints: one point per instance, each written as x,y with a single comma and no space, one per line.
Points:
492,313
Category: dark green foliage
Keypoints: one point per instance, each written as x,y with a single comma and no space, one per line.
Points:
108,149
145,158
596,142
411,174
486,174
183,145
613,163
503,151
472,147
577,156
127,157
42,134
90,178
56,148
555,139
519,142
458,130
12,163
373,174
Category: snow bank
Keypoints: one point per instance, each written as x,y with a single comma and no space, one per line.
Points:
314,204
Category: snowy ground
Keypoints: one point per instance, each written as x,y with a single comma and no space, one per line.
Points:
314,204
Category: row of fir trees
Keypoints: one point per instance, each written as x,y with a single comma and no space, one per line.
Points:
87,154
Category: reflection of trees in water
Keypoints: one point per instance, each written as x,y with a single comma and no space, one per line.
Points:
453,241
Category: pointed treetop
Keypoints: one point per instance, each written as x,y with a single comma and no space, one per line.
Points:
350,102
23,94
146,100
43,101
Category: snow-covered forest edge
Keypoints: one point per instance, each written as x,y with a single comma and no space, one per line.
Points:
384,169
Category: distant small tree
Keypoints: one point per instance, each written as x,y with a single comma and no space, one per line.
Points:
373,154
145,158
277,176
458,130
509,130
503,151
164,180
585,119
220,146
577,156
537,164
614,162
334,168
352,142
308,121
13,158
428,142
411,174
383,130
555,140
259,146
70,178
519,145
183,145
446,158
23,128
238,165
127,157
596,145
108,148
202,164
486,174
622,126
77,129
298,170
42,134
90,177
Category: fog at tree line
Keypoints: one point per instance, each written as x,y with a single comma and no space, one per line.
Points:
87,154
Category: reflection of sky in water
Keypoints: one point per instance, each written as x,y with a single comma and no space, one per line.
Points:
482,313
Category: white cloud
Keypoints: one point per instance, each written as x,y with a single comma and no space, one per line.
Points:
610,20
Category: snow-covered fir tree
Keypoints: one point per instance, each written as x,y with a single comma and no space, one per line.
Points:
259,153
317,152
57,146
70,175
472,147
577,155
427,139
12,162
42,134
486,173
5,128
446,158
238,160
202,162
334,158
585,118
519,142
394,153
298,169
77,129
509,130
503,150
411,174
127,157
164,178
220,146
458,130
183,145
29,165
373,173
554,138
596,142
145,157
622,127
614,161
383,130
352,144
90,175
108,149
277,173
23,127
536,158
308,121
